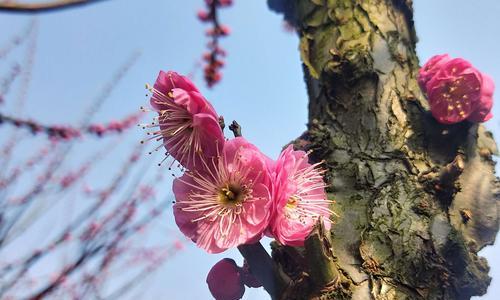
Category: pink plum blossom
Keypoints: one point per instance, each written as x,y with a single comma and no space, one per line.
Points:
299,198
456,90
224,280
187,123
226,203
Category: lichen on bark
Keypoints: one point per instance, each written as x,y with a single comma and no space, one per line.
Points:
401,231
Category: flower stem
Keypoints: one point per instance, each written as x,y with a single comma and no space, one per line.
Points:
265,269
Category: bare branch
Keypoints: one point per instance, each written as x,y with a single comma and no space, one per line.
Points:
31,8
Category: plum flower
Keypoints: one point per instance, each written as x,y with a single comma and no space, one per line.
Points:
187,123
226,203
456,90
224,280
299,198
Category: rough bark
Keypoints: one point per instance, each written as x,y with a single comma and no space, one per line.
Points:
416,199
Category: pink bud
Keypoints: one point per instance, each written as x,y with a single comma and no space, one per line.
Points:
221,30
67,180
220,51
207,56
224,280
456,90
178,245
224,30
218,63
203,15
223,3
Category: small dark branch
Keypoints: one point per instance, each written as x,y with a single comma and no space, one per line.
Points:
444,182
235,128
7,82
275,282
323,269
447,185
450,173
31,8
466,215
222,123
68,270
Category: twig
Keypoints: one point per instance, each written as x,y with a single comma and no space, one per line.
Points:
222,123
235,128
40,7
213,58
68,132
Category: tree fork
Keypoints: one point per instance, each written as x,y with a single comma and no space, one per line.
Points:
416,199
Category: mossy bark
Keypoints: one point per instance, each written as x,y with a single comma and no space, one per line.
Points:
416,200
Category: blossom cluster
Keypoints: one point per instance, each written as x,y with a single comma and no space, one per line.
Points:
456,90
213,57
231,193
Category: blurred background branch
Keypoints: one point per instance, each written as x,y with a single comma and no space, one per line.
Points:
103,232
20,7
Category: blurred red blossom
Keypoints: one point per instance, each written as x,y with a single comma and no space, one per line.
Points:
213,58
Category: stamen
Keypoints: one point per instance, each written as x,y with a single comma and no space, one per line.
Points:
219,195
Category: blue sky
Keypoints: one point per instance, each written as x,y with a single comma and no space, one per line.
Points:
262,88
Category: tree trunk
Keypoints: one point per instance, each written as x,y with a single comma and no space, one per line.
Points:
416,200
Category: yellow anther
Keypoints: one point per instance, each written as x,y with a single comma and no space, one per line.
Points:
292,202
228,193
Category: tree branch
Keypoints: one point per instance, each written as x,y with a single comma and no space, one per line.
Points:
31,8
324,271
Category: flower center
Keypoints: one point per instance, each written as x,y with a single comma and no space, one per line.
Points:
231,194
292,202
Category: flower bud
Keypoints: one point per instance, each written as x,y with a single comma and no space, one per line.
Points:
456,90
224,280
